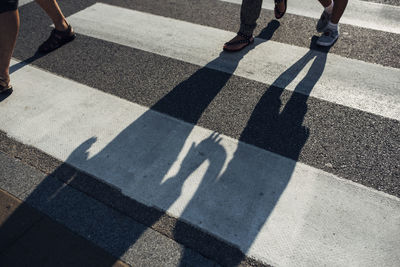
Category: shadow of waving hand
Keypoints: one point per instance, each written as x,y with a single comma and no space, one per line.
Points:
235,202
238,185
140,158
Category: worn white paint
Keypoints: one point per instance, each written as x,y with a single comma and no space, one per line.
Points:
274,209
24,2
364,14
353,83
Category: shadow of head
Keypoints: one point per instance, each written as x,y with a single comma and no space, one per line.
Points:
81,153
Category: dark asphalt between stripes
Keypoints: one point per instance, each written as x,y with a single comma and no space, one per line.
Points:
113,231
387,2
356,43
352,144
343,141
42,240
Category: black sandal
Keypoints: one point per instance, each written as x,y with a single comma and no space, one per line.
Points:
247,41
4,86
279,14
57,39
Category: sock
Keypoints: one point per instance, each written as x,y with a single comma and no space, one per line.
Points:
333,26
329,8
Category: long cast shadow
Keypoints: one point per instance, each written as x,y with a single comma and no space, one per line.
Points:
247,203
149,155
17,67
140,156
26,62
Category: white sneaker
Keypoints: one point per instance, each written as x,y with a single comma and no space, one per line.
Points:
328,38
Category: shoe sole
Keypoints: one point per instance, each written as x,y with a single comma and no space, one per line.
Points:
237,50
65,41
6,90
327,44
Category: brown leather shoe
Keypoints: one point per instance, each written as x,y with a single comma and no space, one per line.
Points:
279,14
236,44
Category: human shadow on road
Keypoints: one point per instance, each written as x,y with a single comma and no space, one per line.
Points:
26,62
236,203
151,163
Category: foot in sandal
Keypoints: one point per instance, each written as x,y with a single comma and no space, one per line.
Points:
57,39
5,86
239,42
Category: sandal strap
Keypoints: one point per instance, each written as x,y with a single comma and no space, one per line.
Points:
238,42
57,38
64,33
3,82
246,40
4,86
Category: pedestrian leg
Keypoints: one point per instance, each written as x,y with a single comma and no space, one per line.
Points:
328,23
249,13
9,26
63,32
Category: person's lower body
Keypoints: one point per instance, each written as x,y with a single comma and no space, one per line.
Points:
63,32
328,23
249,13
9,26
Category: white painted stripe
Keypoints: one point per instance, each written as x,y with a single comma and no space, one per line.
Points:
364,14
353,83
274,209
24,2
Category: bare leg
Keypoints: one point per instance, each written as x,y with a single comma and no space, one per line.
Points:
54,12
9,26
63,32
328,24
338,9
325,3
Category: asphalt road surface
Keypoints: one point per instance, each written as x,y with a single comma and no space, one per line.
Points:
144,138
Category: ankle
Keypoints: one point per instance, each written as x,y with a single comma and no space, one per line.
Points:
5,76
333,26
4,80
329,8
61,25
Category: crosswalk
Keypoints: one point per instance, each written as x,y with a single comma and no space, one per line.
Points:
358,13
369,87
289,153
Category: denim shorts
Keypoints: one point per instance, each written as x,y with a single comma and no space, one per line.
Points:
8,5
